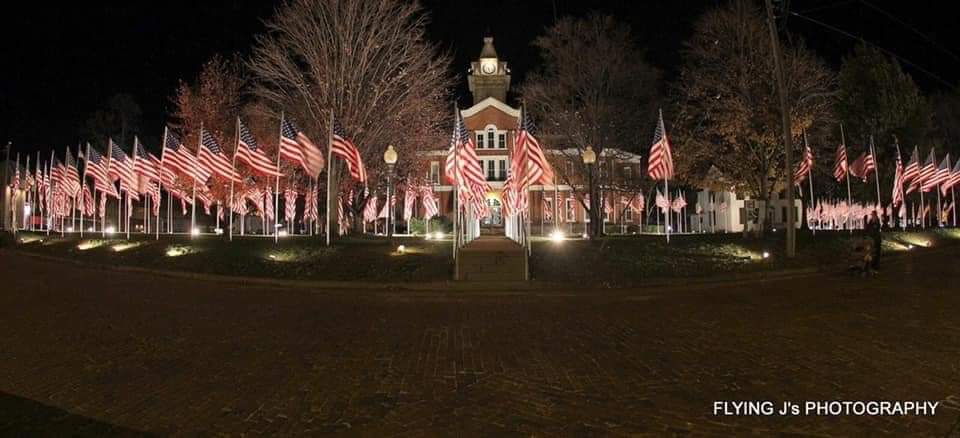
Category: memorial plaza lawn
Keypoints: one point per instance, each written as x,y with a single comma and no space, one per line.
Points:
614,261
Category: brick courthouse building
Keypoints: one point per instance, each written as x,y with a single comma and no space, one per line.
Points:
494,123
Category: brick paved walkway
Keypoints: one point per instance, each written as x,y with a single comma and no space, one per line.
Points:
162,356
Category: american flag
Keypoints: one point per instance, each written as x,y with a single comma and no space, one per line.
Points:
912,172
863,165
635,203
954,176
57,171
89,207
527,149
310,205
344,148
429,201
660,164
385,211
120,166
897,195
71,177
155,198
211,155
840,165
268,203
409,199
806,165
370,209
297,147
928,173
176,156
145,164
290,203
469,175
255,195
943,173
250,153
662,201
678,203
239,205
96,167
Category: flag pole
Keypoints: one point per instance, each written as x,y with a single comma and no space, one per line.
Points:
13,196
456,188
129,203
276,191
327,223
809,177
236,147
83,181
73,203
953,202
876,168
193,206
923,219
846,171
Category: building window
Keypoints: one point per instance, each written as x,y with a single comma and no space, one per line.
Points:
503,170
783,217
628,214
435,172
547,209
570,211
479,140
502,140
491,170
627,172
490,138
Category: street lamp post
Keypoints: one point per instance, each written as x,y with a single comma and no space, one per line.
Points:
390,158
589,160
788,147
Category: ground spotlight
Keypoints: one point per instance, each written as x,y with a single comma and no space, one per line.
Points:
766,255
110,229
69,229
556,236
585,236
401,250
195,232
438,235
218,231
282,233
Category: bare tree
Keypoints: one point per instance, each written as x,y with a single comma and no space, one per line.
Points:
727,106
214,100
369,62
593,89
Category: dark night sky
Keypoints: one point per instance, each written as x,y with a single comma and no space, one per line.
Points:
61,63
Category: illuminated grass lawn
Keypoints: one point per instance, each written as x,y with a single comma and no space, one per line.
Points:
293,258
628,260
613,261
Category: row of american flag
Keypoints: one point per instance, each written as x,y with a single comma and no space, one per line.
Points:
58,187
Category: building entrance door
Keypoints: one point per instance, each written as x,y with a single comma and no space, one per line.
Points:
495,219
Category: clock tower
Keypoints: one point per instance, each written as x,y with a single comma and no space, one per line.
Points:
489,76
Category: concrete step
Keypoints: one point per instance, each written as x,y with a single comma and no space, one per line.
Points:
492,259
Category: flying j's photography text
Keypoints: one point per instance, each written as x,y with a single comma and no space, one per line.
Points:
825,407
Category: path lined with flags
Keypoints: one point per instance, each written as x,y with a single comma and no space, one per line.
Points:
166,356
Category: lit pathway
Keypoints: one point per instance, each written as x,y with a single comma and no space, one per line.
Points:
166,356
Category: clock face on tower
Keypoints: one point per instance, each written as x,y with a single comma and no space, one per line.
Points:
488,66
